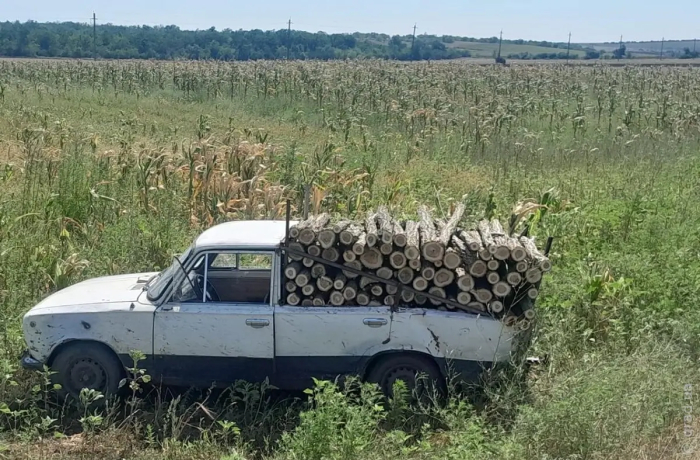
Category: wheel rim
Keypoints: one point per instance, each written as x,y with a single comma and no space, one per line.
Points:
409,375
87,373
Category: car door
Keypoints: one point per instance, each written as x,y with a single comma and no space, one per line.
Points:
325,342
204,338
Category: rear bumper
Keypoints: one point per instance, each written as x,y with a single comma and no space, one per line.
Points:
29,363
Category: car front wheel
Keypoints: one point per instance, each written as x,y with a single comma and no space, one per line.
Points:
87,365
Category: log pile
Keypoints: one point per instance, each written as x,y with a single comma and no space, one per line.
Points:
428,263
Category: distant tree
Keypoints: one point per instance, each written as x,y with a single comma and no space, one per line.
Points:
688,54
620,52
592,54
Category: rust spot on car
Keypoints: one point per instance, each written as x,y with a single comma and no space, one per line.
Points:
85,324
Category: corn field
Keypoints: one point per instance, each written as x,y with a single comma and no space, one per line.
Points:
113,167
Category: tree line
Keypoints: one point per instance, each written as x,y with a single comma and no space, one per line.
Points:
75,40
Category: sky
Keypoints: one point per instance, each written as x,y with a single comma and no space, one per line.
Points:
551,20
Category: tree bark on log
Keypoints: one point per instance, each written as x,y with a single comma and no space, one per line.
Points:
356,265
538,259
318,271
451,225
360,245
339,282
472,239
500,240
385,224
371,229
341,225
486,239
400,239
324,284
350,234
412,249
326,238
364,282
331,254
432,250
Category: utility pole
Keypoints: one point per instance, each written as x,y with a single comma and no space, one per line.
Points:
694,40
568,47
94,36
413,41
289,37
661,54
500,41
619,53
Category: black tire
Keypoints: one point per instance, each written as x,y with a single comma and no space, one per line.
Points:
407,367
87,365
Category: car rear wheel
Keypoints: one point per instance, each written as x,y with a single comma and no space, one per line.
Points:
87,365
420,375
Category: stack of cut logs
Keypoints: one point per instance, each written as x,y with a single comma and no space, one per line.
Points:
479,270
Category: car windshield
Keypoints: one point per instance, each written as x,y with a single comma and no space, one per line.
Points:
162,280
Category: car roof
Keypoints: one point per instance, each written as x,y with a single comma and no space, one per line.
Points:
258,234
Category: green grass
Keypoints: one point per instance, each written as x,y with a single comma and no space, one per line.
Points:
95,164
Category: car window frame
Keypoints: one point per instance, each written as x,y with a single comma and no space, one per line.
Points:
197,255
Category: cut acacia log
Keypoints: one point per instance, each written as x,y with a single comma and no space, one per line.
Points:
464,298
307,302
530,314
501,289
319,301
337,298
414,264
521,267
293,299
428,272
339,282
377,290
386,248
324,284
412,249
360,245
314,250
533,293
372,258
303,278
341,225
478,269
362,298
405,275
524,325
486,239
420,299
437,292
385,273
510,320
375,303
493,264
452,259
496,306
443,277
533,275
464,281
420,284
538,259
500,240
296,247
308,263
350,291
389,300
385,224
292,270
391,289
493,277
431,248
349,256
438,263
331,254
485,254
354,264
308,290
407,296
290,286
318,270
514,278
450,226
326,238
397,260
472,240
400,238
483,295
371,229
517,251
350,235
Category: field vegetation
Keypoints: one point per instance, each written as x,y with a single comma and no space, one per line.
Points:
113,167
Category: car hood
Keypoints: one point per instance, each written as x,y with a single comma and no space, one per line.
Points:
106,289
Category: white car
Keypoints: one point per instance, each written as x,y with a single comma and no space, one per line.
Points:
237,328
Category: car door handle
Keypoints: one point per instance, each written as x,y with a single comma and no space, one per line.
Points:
374,322
257,323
